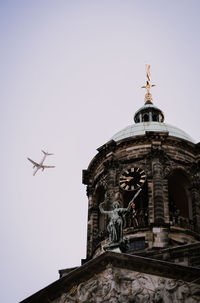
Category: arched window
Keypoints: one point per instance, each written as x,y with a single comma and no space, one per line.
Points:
179,195
100,197
155,117
141,214
137,120
145,118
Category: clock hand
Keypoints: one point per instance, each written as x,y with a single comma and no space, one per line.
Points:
126,181
129,178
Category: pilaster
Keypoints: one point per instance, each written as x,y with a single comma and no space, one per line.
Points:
158,191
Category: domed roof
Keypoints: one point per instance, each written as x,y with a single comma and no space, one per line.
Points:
143,127
150,118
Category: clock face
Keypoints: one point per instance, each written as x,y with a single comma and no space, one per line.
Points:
132,178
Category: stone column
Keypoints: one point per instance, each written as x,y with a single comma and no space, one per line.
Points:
92,217
166,200
151,204
111,188
160,233
158,192
110,172
150,117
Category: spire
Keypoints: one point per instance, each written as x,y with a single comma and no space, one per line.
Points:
148,86
149,112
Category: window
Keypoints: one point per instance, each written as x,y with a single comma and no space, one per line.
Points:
179,195
155,117
145,118
136,244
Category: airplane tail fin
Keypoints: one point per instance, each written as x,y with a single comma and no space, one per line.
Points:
47,154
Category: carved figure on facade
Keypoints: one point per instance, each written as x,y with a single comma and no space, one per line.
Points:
115,225
85,293
137,217
176,291
131,218
123,286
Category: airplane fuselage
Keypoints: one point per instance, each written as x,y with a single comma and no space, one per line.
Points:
40,164
42,161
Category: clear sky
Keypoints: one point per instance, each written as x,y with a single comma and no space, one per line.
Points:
70,78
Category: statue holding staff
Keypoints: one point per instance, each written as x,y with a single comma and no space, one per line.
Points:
115,225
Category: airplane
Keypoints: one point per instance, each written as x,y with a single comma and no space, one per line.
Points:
40,165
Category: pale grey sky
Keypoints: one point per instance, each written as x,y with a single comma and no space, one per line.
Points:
70,78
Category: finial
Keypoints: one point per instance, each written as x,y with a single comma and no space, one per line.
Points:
148,86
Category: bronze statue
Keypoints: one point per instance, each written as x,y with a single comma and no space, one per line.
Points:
115,225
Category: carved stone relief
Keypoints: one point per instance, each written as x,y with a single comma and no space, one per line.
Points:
115,285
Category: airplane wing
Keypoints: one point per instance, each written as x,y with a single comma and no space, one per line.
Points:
33,162
47,166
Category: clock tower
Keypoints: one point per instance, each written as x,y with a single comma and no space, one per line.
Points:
161,160
143,245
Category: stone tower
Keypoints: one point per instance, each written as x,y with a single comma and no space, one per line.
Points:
143,189
167,212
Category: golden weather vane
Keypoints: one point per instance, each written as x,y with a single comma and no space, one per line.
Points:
148,86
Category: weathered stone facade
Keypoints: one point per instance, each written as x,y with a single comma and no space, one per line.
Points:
115,285
160,223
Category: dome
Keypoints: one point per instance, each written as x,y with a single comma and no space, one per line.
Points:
150,118
143,127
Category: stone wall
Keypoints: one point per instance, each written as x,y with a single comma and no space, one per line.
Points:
159,156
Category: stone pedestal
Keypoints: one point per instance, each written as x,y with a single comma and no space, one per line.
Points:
160,237
115,247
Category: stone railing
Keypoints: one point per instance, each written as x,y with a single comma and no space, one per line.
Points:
182,222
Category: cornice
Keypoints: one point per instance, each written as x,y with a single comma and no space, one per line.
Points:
120,260
107,152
